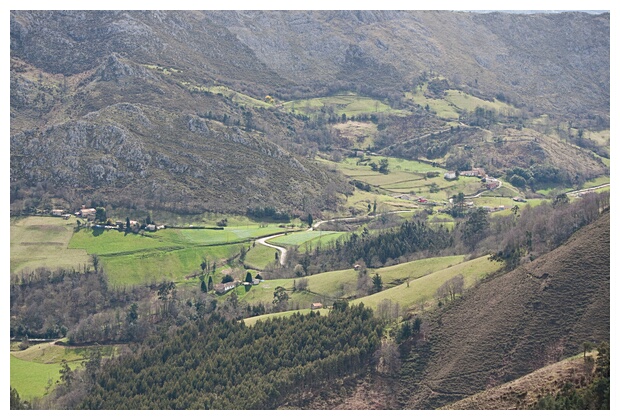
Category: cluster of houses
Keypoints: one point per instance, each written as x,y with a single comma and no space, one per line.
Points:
61,213
477,172
419,200
222,288
493,209
89,214
489,182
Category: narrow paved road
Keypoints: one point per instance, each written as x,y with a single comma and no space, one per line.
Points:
577,192
360,218
482,192
281,250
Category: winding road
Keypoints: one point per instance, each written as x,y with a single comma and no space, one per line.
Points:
360,218
281,250
577,192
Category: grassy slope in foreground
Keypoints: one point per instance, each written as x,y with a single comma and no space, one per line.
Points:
527,390
515,323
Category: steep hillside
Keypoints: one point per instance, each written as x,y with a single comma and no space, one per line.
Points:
525,392
134,154
68,67
556,62
495,52
514,324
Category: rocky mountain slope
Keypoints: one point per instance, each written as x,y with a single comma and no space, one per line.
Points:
104,69
562,59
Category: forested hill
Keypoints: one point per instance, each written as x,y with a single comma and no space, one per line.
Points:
215,364
514,324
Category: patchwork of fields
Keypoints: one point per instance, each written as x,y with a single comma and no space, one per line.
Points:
408,284
130,258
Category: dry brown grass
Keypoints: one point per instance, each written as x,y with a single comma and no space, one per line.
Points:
514,324
526,391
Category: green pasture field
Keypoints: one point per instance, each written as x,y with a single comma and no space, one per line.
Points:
408,177
32,368
43,241
469,103
425,277
600,137
259,256
103,242
423,289
131,259
300,238
154,265
454,101
441,107
349,104
228,234
394,164
360,200
323,239
128,259
235,96
605,179
251,321
342,283
31,378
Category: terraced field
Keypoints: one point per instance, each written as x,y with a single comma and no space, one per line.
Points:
455,101
408,177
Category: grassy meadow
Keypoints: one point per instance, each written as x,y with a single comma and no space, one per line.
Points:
307,237
173,254
350,104
408,177
454,102
43,241
259,256
421,291
253,320
31,369
326,287
424,277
